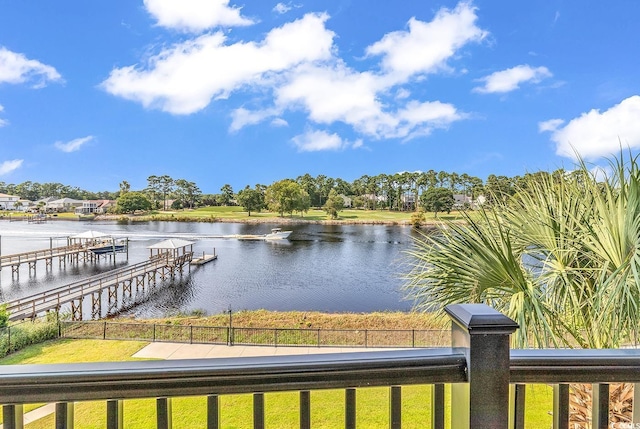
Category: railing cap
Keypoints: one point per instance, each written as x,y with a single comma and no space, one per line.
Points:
480,317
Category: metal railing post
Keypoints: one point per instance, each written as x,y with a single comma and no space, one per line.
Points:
164,418
13,416
305,409
482,334
350,408
258,410
437,406
395,407
64,415
600,406
213,412
115,416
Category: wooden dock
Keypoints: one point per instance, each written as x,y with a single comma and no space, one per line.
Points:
118,284
72,253
204,258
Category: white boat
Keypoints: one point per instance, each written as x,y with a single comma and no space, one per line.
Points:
277,234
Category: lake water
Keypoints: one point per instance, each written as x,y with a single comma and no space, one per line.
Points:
350,268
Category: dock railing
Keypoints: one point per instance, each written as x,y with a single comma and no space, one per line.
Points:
487,380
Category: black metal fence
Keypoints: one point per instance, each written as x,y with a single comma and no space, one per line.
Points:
19,335
254,336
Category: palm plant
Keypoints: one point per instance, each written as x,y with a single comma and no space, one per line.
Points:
561,257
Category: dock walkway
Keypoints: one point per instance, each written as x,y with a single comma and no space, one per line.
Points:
112,281
37,255
74,253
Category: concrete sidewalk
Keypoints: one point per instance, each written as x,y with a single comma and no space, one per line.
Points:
204,351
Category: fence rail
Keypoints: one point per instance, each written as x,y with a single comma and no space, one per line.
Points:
255,336
484,377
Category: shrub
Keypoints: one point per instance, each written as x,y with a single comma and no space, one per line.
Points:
4,316
17,337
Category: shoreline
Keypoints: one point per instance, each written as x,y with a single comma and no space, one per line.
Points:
429,224
272,319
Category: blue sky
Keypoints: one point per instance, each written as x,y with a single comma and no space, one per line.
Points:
96,92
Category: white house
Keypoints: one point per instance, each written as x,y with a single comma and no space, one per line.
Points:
8,202
64,205
461,201
87,207
346,201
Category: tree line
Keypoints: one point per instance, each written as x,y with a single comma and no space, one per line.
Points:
406,191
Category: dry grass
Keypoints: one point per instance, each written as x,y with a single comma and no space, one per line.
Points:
311,320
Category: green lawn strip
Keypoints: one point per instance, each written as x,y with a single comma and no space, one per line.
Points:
67,351
538,406
235,213
282,409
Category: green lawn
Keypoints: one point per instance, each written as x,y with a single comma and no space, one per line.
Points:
236,410
345,216
236,213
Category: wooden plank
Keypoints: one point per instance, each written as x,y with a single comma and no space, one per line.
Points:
50,300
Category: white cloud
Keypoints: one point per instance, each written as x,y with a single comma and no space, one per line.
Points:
313,141
344,95
3,122
595,134
73,145
550,125
186,77
510,79
242,117
195,15
402,93
297,63
16,68
281,8
427,46
334,94
7,167
279,122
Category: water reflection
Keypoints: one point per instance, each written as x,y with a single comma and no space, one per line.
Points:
322,267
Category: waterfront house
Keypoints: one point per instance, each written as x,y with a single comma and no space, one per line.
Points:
8,202
64,205
87,207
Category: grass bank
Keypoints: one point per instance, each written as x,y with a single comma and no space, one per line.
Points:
307,319
237,214
236,410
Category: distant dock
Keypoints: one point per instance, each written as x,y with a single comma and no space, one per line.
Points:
204,258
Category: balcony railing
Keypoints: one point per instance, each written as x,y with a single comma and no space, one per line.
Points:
487,380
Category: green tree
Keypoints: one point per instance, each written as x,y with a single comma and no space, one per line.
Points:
153,190
285,196
124,187
227,194
334,204
251,199
561,257
417,218
308,183
498,189
132,202
166,185
437,200
188,192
